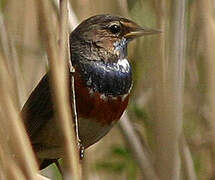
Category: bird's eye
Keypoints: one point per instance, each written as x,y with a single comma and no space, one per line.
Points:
115,28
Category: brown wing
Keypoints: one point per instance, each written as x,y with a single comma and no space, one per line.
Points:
37,111
39,107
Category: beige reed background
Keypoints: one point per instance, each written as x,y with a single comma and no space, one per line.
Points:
168,131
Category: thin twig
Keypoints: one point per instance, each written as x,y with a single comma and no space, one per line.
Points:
65,55
72,22
187,160
135,145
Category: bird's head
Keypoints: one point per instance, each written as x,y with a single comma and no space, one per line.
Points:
106,37
99,53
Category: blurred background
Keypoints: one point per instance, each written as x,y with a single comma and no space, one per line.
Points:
22,47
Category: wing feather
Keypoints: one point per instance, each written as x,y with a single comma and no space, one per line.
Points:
39,107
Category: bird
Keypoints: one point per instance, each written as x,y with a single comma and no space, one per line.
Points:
103,82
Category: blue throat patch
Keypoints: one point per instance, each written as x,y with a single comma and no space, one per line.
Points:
106,77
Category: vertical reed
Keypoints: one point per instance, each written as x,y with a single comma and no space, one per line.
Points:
58,59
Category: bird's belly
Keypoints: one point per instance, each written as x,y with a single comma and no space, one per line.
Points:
91,131
96,112
49,143
97,115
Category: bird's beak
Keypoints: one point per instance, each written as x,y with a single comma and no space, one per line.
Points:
137,32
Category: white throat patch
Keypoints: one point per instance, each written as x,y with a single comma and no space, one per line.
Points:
123,65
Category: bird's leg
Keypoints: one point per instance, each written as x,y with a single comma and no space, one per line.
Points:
75,117
81,148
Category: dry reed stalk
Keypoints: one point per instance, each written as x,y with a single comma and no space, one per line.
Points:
15,145
159,85
11,60
8,169
58,61
17,161
30,63
206,20
187,160
208,39
169,126
184,148
144,162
